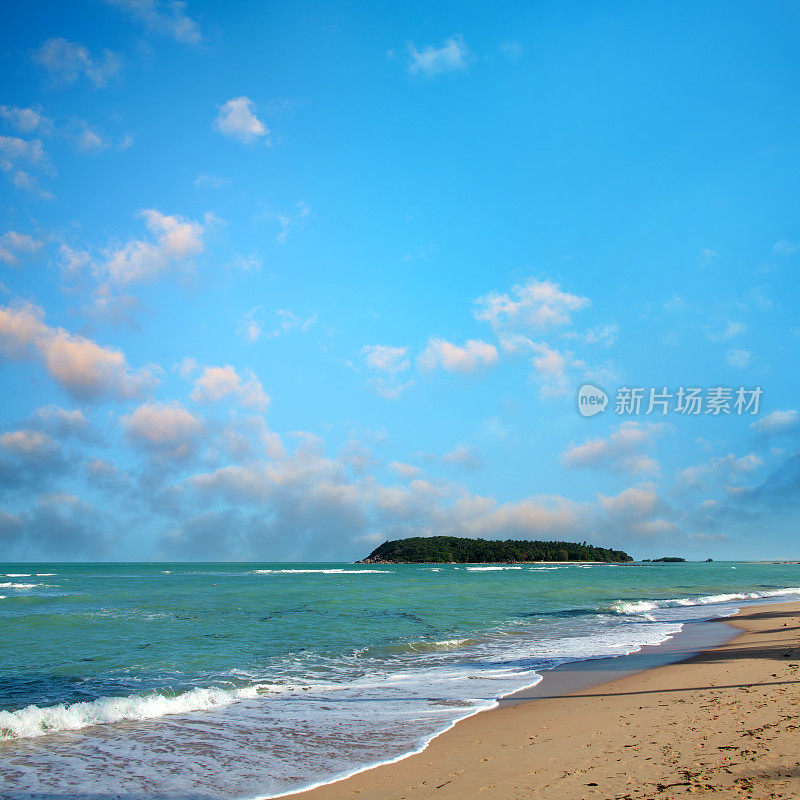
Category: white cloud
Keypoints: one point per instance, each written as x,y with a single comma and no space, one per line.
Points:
785,247
289,321
14,246
550,365
288,221
89,140
219,383
777,422
452,56
250,328
27,120
535,304
730,331
463,456
83,368
166,429
604,335
67,61
237,119
473,355
386,358
739,358
407,471
203,181
176,239
167,17
620,451
16,152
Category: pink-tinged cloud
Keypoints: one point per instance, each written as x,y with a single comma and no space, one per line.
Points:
219,383
621,451
86,370
534,304
470,357
164,428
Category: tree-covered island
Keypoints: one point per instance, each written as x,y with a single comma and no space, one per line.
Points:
455,550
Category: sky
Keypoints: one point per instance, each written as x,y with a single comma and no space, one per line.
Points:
282,281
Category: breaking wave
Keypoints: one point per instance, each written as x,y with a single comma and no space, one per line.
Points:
34,721
645,606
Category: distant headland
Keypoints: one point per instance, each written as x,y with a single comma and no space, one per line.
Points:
455,550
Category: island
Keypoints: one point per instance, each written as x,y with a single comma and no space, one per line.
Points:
455,550
665,560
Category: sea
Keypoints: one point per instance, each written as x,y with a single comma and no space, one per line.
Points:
205,681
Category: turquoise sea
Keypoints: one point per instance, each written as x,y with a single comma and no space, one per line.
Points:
250,680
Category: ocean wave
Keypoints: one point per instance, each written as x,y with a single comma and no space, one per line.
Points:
644,606
34,721
9,585
18,574
490,569
317,571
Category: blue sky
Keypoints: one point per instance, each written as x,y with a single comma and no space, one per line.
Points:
282,281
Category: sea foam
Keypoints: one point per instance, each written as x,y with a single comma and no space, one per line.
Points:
33,721
645,606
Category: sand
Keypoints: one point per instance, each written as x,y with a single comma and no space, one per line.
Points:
724,723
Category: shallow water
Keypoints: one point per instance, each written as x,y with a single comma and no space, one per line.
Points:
244,680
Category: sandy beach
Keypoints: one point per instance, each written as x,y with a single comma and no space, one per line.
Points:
723,723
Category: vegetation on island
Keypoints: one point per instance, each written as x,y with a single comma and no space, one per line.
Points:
452,549
665,560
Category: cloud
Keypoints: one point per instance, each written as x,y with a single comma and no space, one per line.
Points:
67,62
730,331
14,246
218,383
474,355
739,358
463,456
777,422
452,56
237,120
512,50
56,526
723,469
15,152
166,17
407,471
604,335
391,361
27,120
89,140
289,321
176,239
386,358
164,429
620,451
61,423
549,365
28,444
211,182
250,328
535,304
86,370
785,247
288,221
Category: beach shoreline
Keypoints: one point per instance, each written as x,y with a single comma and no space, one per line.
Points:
694,714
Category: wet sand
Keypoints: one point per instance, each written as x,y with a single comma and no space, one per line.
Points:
723,723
